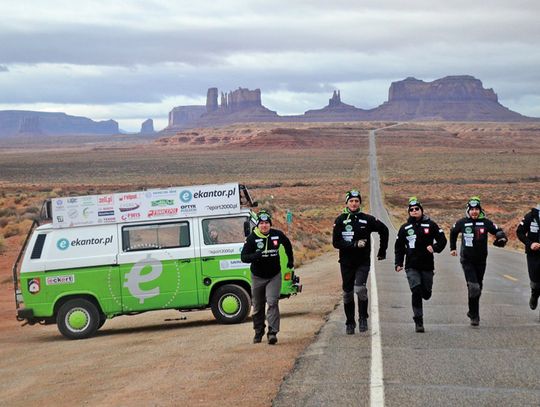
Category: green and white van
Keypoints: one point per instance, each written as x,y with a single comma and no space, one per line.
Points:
126,253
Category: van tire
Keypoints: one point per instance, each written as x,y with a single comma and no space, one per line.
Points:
78,319
230,304
102,320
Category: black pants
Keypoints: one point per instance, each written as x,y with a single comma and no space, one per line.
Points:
533,265
421,284
474,275
354,280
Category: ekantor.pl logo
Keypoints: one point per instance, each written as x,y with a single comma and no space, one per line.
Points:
185,196
62,244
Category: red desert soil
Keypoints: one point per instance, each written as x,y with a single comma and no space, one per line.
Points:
159,358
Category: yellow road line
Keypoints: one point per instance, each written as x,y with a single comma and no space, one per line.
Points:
510,277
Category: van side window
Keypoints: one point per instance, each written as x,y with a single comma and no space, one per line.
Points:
156,236
223,230
38,247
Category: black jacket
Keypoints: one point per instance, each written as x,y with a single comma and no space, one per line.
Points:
352,227
412,241
474,238
262,251
528,231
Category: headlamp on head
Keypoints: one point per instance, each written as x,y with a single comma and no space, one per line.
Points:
353,193
264,216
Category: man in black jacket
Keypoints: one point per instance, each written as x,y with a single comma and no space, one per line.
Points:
351,235
474,229
416,241
261,249
529,234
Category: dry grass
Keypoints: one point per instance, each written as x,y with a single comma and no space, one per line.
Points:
444,164
308,177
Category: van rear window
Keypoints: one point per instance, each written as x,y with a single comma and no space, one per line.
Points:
38,247
156,236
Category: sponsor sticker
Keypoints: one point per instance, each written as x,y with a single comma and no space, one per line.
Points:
162,202
34,285
232,265
105,200
127,207
56,280
162,212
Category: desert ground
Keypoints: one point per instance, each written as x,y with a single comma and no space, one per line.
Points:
160,359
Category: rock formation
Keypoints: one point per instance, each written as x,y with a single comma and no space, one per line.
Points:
335,100
243,98
211,100
241,105
453,98
336,110
30,125
185,116
147,127
459,88
15,122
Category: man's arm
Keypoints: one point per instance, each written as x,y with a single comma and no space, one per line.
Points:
521,231
249,252
382,229
454,233
288,250
440,239
399,250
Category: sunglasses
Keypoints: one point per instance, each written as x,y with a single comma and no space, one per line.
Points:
414,209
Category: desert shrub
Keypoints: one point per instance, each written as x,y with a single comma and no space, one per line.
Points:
3,222
2,245
19,198
11,230
6,212
30,215
32,209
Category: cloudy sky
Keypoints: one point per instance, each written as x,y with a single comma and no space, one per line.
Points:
130,60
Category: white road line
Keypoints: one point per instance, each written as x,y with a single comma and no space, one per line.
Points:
376,397
376,377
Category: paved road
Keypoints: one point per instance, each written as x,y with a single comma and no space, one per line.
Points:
451,364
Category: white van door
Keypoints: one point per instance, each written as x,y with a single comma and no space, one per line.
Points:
222,239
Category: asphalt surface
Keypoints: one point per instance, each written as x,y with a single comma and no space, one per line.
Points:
451,364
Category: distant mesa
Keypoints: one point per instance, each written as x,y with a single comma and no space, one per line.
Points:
147,127
14,123
240,105
29,125
453,98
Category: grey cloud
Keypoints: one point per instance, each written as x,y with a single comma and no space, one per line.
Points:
90,44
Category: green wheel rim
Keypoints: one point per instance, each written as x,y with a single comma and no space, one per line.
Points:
230,305
78,319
